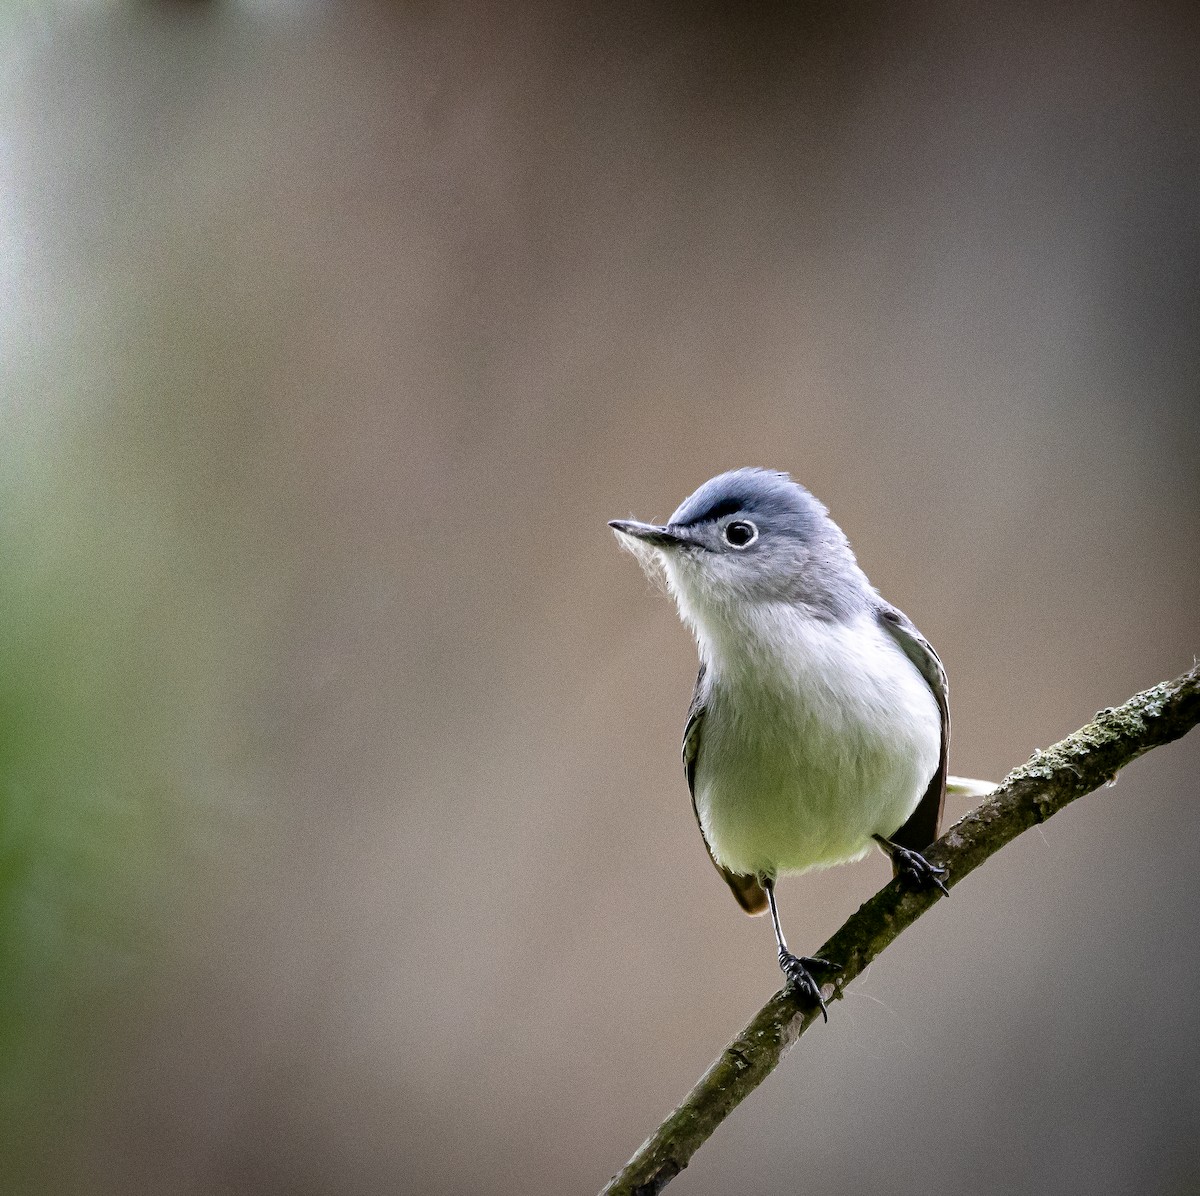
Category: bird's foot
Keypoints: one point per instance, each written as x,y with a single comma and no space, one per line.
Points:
799,972
914,867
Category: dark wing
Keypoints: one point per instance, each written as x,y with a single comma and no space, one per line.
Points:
751,896
925,822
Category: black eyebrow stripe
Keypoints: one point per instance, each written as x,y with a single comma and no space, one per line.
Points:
727,506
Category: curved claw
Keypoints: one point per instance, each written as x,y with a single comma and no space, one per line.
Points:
914,867
935,879
800,978
820,964
921,872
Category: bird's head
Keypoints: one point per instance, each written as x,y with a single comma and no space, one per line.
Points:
744,538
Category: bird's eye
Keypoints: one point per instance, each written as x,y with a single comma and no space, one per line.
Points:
741,533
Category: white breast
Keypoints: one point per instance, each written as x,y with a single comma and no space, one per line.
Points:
818,734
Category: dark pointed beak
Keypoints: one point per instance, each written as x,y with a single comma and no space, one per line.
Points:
650,533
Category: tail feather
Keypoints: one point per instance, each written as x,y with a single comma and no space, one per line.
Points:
969,787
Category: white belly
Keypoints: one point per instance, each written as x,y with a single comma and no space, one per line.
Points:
803,758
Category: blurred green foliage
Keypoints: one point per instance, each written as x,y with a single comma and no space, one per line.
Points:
115,789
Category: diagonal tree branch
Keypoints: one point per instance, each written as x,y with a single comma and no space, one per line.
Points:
1030,794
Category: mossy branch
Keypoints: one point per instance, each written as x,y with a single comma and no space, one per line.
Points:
1030,794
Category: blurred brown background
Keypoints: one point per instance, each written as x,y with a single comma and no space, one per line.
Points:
344,845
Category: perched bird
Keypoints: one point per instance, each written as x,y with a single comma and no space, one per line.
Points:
819,722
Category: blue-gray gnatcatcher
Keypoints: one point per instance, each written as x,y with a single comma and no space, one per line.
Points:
819,723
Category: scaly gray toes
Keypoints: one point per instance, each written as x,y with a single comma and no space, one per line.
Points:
796,969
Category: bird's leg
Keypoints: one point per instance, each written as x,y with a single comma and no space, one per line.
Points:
798,968
912,865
